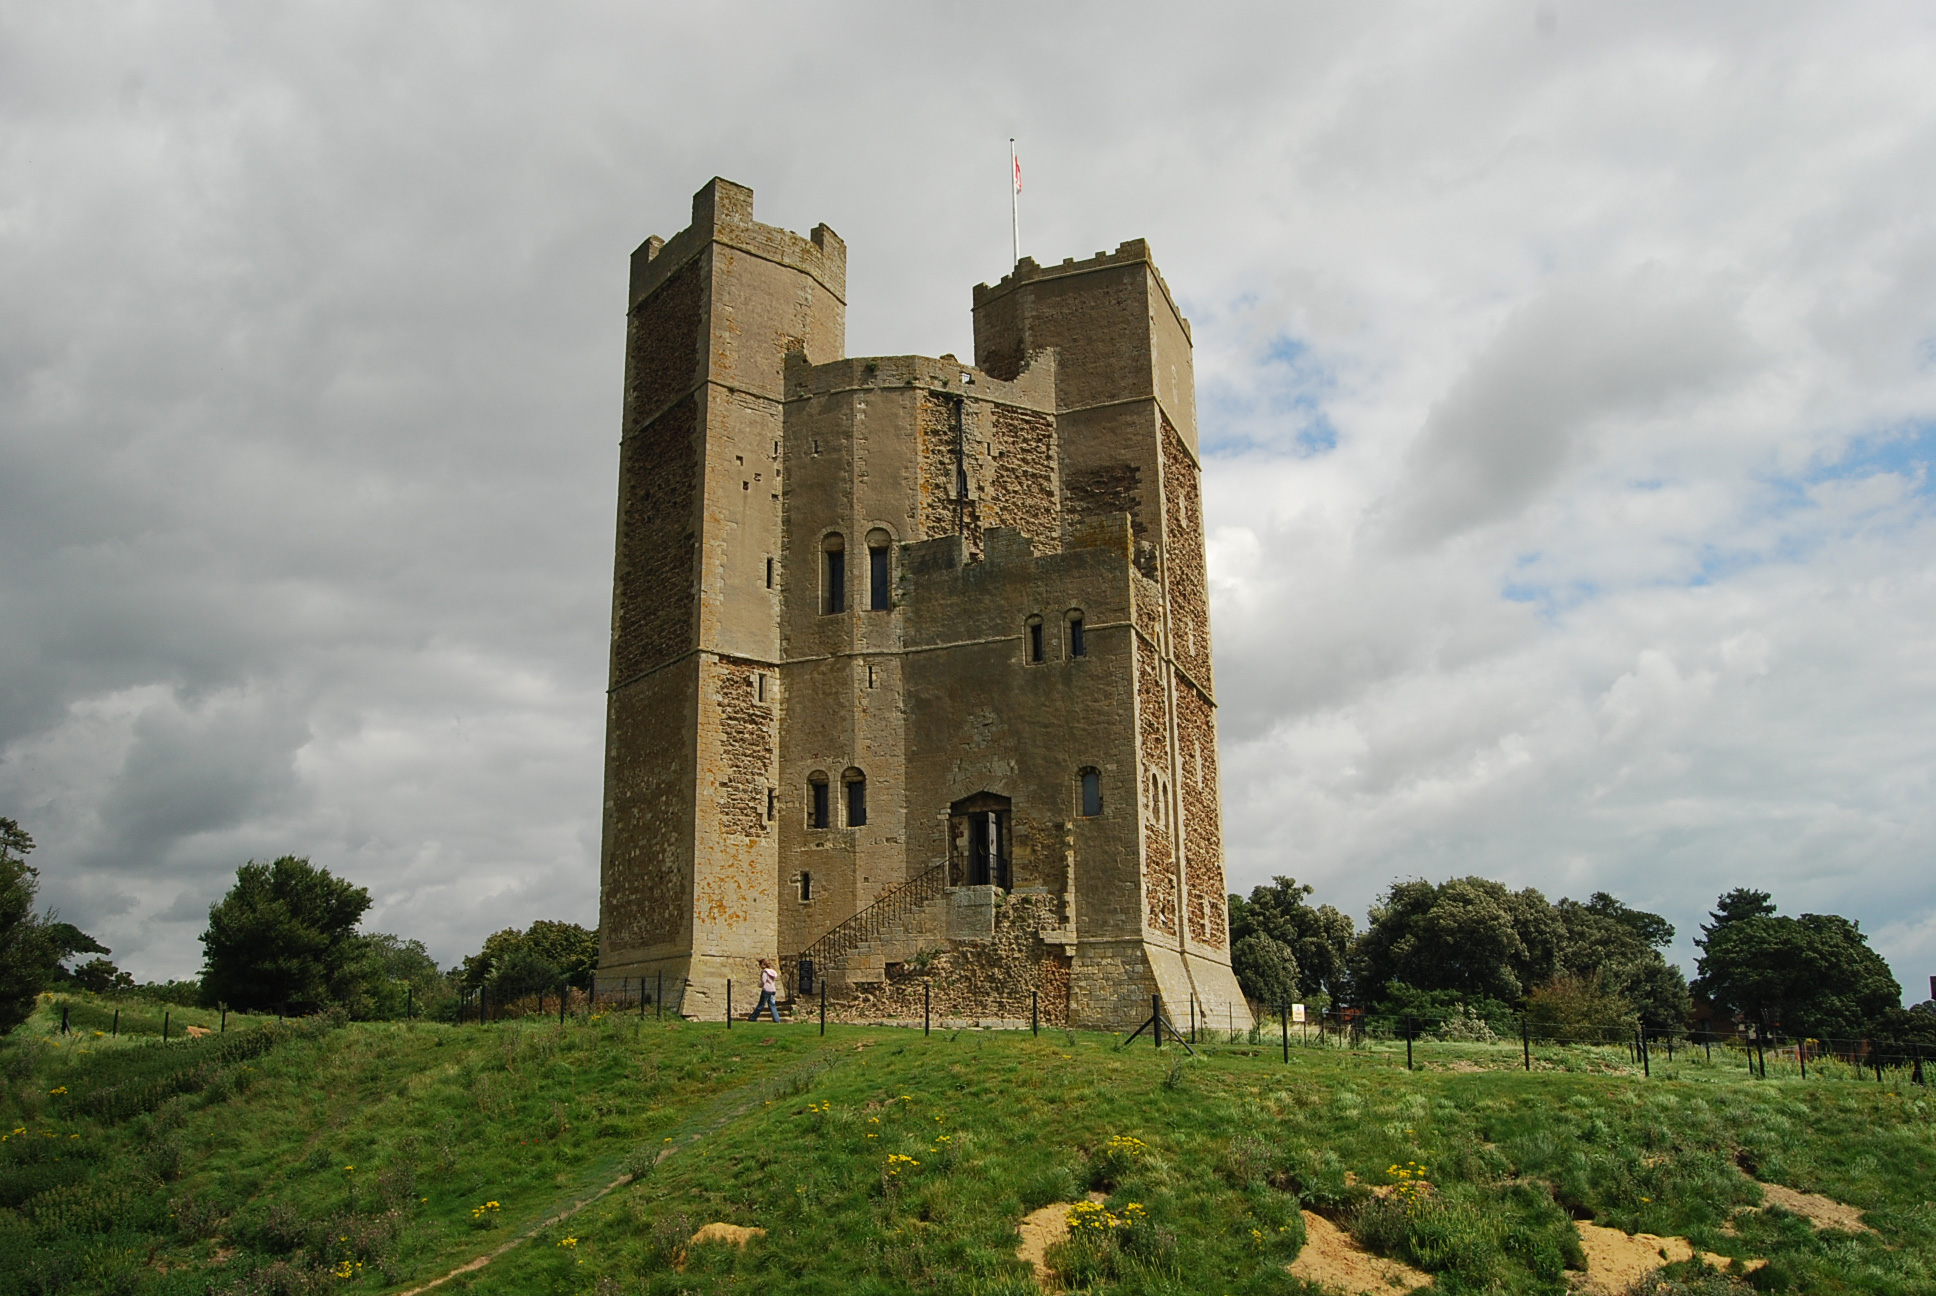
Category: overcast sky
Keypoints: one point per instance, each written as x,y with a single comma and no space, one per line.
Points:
1568,390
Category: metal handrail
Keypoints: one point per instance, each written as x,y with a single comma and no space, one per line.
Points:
888,907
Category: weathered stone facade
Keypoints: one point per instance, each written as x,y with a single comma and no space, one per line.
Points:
910,657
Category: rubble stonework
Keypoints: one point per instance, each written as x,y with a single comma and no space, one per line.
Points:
875,621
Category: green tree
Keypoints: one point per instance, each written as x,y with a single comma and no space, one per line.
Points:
1470,936
1814,976
568,950
1319,939
101,976
1266,970
26,961
1605,939
282,936
383,976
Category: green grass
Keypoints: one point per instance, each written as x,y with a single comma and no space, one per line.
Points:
317,1156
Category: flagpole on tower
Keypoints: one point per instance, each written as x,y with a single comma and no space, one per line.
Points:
1015,198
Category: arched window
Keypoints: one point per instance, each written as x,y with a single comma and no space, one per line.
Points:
1078,644
1091,792
856,784
819,802
1034,633
879,588
834,596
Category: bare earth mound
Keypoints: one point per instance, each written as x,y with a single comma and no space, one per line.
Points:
1822,1212
736,1234
1332,1258
1616,1261
1042,1229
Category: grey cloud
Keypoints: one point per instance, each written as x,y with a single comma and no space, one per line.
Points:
1562,370
197,770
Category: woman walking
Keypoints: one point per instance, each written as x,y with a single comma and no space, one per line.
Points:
769,989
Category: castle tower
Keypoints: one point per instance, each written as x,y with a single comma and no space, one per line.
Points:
689,858
910,670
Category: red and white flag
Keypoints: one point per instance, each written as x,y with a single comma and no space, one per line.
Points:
1016,158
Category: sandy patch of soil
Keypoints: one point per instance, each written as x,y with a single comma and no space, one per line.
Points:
1332,1258
1042,1229
1615,1261
735,1234
1822,1212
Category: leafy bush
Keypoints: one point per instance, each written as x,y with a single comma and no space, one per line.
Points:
1579,1008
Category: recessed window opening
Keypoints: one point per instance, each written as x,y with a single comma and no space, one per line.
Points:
769,573
819,801
856,783
1091,793
771,799
870,675
806,887
878,594
1078,643
1035,639
835,599
759,687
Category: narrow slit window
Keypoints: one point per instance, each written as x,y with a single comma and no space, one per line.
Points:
806,887
1035,639
771,798
879,594
760,686
818,802
769,573
1078,643
836,594
856,799
1091,793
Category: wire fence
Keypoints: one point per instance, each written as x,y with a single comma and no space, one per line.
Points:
1423,1039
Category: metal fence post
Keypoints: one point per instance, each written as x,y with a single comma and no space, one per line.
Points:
164,1024
1408,1041
927,1006
1284,1030
823,1006
1645,1068
1035,1012
1526,1041
729,1003
117,1023
1156,1019
64,1019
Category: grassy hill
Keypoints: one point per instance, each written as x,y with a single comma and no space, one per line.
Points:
286,1159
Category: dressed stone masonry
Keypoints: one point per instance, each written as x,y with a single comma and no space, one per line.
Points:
910,674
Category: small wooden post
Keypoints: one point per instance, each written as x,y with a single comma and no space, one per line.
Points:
225,1015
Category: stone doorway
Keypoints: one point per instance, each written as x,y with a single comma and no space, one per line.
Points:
981,833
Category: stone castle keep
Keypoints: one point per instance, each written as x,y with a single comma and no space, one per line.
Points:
910,673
